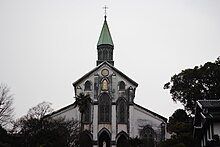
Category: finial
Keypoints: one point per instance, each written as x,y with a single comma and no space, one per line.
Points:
105,11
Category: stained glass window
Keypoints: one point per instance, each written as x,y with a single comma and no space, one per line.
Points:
122,111
86,115
104,108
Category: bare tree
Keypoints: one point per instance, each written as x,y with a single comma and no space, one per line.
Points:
6,109
41,110
39,129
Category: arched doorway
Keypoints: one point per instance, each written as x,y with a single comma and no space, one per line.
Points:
122,141
85,140
104,139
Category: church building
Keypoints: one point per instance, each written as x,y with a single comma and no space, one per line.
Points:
112,118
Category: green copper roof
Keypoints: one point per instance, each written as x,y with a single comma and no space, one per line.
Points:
105,36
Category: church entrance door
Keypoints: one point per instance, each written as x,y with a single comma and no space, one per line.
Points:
122,141
85,140
104,139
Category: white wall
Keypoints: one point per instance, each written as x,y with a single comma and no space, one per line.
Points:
216,128
143,118
69,113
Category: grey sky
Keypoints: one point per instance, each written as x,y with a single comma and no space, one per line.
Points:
45,45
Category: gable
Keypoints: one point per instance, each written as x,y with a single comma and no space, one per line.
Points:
98,68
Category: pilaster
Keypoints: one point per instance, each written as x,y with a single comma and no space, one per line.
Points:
95,122
113,122
131,121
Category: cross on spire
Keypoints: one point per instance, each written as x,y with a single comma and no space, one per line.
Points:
105,11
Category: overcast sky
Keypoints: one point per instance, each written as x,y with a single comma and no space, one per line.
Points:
46,45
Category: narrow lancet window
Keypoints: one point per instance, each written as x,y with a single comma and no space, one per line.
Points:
121,85
104,108
87,85
86,114
121,111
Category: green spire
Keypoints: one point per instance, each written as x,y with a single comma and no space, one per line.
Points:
105,36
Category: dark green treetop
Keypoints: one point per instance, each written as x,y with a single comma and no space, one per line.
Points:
190,85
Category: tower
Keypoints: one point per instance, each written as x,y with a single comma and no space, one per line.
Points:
105,45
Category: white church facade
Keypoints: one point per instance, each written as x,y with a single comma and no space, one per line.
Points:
112,117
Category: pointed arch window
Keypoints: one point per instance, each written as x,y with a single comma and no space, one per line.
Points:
121,85
122,111
148,134
87,85
104,108
87,114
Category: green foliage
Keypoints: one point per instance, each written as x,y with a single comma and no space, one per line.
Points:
179,122
194,84
82,101
180,125
49,132
4,138
171,143
134,142
179,116
141,142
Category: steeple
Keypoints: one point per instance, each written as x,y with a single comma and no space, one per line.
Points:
105,45
105,36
